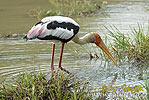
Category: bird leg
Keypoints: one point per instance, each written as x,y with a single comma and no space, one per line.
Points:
52,58
60,60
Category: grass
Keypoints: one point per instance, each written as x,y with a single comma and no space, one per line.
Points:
134,46
68,8
35,86
146,84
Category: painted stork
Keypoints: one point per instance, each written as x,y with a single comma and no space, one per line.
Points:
64,29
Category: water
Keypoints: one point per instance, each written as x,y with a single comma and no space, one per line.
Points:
14,15
18,55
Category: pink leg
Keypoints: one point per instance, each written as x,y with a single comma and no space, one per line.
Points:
60,60
52,58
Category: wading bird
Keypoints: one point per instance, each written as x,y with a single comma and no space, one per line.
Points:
64,29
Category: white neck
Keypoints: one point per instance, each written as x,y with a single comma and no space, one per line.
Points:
88,38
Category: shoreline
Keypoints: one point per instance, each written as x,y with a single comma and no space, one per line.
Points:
12,36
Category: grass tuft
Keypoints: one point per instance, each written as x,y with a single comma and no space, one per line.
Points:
68,8
36,87
134,46
146,84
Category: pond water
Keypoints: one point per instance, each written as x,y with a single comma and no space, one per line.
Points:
17,55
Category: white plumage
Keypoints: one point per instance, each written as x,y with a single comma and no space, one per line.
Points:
58,32
54,28
59,19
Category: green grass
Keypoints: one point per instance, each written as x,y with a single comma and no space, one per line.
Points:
36,86
134,45
146,83
68,8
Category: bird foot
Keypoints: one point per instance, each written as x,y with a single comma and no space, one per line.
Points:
65,70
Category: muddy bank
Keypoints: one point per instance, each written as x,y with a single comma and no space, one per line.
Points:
13,36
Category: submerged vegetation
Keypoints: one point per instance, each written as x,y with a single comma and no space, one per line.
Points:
134,45
68,8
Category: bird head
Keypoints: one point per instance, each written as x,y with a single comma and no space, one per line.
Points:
99,42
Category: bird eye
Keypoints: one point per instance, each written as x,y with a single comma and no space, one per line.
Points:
99,37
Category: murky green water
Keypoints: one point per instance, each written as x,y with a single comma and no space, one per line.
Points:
18,55
14,14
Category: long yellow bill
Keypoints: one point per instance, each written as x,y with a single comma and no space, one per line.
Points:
104,48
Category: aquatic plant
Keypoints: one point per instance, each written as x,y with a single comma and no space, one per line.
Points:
68,8
134,46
